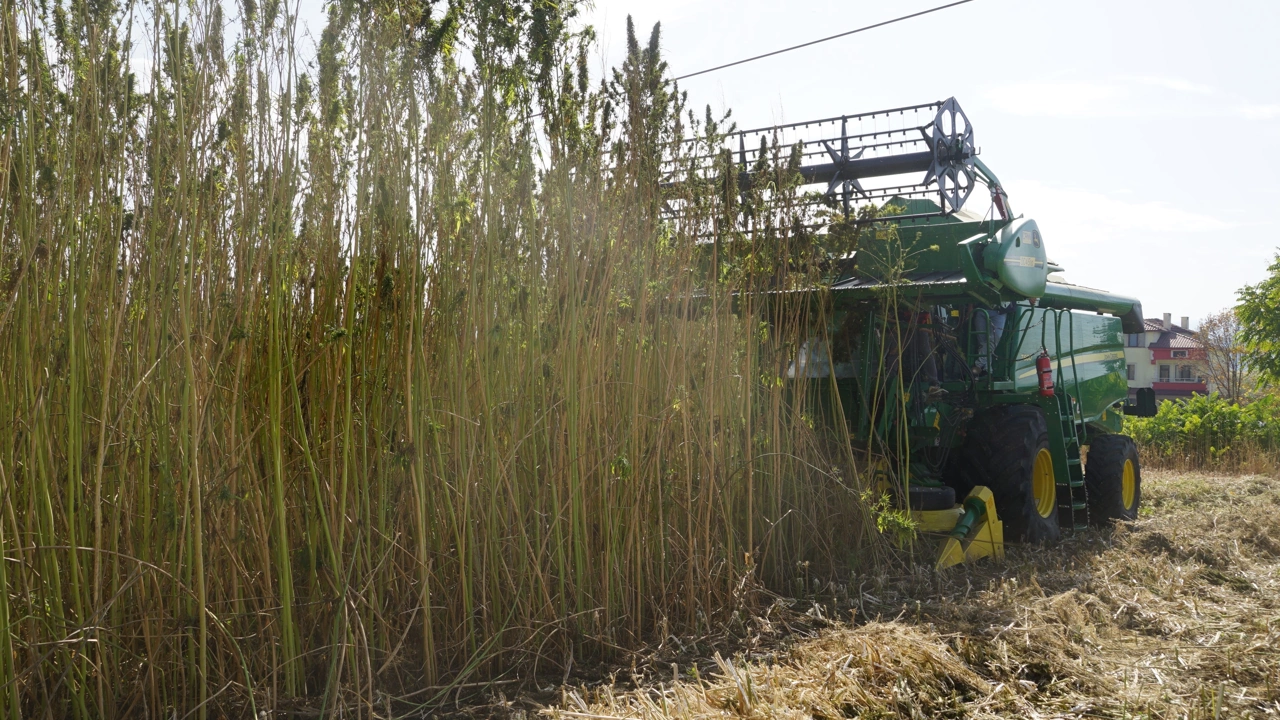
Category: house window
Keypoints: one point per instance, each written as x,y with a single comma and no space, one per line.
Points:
1164,373
1130,371
1179,353
1135,339
1184,372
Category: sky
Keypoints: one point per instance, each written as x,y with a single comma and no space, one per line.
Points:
1143,136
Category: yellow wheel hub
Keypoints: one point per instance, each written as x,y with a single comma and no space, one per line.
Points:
1128,485
1043,487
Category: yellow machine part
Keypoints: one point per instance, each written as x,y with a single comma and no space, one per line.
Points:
937,521
985,538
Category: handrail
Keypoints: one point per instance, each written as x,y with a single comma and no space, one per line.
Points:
1074,406
1075,372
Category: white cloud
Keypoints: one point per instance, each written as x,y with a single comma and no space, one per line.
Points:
610,18
1171,258
1168,83
1087,216
1058,99
1255,111
1126,96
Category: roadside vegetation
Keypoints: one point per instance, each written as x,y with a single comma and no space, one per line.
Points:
1237,426
1208,431
327,384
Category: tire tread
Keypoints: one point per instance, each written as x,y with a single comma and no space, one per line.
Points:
1103,479
999,452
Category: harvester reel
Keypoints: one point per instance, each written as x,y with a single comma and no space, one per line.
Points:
951,142
917,152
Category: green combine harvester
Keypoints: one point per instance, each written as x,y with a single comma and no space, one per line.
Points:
950,350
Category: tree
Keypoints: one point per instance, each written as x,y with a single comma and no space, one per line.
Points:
1224,353
1259,313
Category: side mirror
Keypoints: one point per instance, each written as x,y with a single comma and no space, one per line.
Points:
1144,405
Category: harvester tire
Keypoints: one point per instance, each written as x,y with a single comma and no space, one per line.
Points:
1000,451
1113,478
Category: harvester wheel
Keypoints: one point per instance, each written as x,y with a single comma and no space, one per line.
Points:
1007,450
1113,478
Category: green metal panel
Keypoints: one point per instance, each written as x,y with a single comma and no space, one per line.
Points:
1088,355
916,246
1016,256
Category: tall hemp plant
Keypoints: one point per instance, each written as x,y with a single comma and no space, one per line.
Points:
344,380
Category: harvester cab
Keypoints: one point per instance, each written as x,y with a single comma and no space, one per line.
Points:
963,368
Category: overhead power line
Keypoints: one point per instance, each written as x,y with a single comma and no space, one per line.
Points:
822,40
812,42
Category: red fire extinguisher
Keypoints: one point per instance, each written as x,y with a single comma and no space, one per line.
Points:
1045,372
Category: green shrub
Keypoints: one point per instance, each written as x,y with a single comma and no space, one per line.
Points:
1207,430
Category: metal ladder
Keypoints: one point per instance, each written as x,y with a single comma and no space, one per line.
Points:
1072,497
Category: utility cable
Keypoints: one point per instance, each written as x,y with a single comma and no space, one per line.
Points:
811,42
822,40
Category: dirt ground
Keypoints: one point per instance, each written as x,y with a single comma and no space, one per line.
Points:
1174,616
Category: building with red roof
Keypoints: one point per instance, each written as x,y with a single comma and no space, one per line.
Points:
1167,358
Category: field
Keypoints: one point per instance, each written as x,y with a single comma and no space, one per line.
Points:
383,382
1175,616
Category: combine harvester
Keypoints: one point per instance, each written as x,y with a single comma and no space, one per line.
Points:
975,378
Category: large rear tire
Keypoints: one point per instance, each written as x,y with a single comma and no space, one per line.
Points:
1113,478
1007,450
